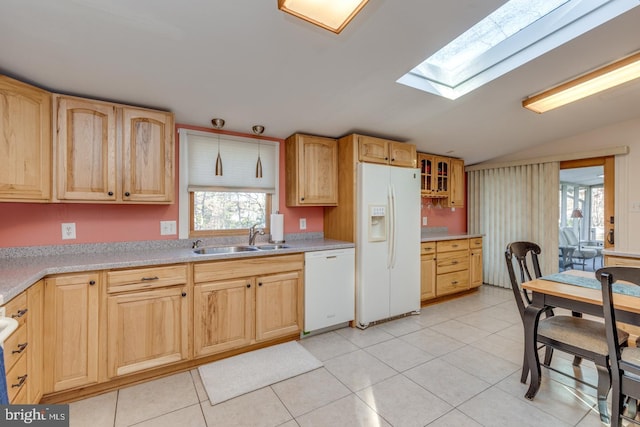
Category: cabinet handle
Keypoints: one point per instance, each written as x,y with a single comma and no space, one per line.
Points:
110,193
393,159
146,279
454,262
248,285
386,158
21,348
301,199
455,282
454,246
20,313
22,379
184,294
92,282
127,194
260,284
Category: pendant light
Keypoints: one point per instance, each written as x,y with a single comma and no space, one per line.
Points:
218,124
258,129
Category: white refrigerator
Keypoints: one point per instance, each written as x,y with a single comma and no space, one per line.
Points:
387,242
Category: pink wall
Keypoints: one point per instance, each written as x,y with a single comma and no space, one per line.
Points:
456,222
35,224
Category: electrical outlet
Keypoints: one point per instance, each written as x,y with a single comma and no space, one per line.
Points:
167,228
68,230
303,223
424,220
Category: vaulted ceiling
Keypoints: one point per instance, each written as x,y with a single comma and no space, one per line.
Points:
249,63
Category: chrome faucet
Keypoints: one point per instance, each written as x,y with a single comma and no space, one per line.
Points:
196,244
253,232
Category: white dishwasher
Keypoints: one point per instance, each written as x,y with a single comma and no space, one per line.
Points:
329,288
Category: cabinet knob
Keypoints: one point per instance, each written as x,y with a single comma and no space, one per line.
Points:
92,282
184,294
260,284
127,194
386,158
301,198
248,285
110,193
393,159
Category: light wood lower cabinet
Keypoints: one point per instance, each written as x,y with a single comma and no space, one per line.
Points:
147,318
35,303
242,302
222,316
427,271
450,266
71,331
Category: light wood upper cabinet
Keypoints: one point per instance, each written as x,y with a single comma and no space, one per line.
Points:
25,142
311,164
71,325
148,156
86,149
377,150
456,183
113,153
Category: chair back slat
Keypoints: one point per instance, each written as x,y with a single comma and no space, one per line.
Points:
525,254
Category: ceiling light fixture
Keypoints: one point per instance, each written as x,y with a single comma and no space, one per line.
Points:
218,124
603,78
258,129
332,15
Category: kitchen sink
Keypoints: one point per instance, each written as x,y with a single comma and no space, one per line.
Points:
272,247
224,250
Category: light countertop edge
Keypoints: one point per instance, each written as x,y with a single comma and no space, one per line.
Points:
447,236
622,253
18,273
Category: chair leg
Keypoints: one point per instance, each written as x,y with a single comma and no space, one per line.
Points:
617,403
525,371
548,354
604,385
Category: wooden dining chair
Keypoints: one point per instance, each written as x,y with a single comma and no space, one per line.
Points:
574,335
625,361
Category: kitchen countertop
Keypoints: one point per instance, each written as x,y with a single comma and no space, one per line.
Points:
432,237
18,273
618,252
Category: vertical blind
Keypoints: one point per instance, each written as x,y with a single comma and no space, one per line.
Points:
514,203
239,159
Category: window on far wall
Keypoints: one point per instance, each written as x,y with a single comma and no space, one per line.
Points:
226,205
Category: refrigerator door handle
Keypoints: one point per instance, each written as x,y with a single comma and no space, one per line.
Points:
393,226
391,221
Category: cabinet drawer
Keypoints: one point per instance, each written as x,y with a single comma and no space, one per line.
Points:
452,245
452,282
427,248
475,243
146,278
14,346
17,378
452,261
223,270
17,308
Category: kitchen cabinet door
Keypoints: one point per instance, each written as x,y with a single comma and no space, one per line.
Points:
401,154
311,171
35,303
442,177
475,268
427,276
147,329
278,305
373,150
222,316
86,150
71,331
456,183
148,156
25,142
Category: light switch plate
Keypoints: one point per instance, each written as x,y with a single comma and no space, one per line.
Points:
167,228
68,230
424,220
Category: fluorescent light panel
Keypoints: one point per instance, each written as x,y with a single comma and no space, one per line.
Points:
332,15
612,75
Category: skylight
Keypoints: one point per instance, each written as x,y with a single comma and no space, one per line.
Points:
514,34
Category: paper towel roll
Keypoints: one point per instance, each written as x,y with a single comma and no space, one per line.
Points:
277,228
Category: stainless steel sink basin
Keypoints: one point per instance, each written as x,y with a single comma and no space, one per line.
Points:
224,250
272,247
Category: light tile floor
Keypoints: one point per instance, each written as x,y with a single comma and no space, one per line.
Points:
456,364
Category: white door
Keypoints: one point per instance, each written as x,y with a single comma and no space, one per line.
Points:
404,295
372,272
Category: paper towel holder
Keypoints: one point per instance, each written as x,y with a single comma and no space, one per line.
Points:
277,242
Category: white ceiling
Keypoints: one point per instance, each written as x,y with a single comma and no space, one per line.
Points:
248,63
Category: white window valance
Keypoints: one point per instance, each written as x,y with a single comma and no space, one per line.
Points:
239,158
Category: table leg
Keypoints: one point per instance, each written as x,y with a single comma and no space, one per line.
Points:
531,317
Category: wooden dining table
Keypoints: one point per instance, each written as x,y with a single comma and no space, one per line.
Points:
547,293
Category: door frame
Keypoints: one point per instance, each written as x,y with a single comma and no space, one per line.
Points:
608,164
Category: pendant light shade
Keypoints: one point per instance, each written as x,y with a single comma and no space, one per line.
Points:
218,124
258,129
